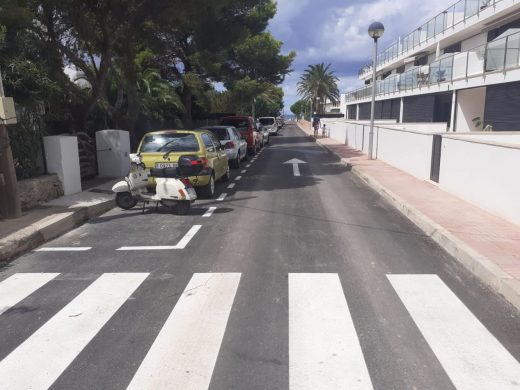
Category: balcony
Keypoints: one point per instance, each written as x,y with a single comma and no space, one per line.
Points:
500,54
448,19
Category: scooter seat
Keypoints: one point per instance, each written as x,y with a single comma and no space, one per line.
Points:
164,172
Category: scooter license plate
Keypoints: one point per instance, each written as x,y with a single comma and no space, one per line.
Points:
191,192
165,165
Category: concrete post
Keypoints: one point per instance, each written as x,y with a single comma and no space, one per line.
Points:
62,157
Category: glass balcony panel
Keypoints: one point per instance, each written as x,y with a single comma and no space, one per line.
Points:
450,17
476,61
440,23
513,51
459,65
495,55
472,7
459,11
431,28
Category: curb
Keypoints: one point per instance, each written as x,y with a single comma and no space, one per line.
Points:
49,228
480,266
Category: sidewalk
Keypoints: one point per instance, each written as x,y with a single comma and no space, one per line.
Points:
485,244
53,219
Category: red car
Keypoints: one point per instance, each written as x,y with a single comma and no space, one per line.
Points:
247,127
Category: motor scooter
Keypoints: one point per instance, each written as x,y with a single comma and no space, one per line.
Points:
173,187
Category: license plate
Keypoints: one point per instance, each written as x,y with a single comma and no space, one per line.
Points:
165,165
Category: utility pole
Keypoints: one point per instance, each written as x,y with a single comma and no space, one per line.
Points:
9,198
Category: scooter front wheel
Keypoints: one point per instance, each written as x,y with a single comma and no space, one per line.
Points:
125,200
182,207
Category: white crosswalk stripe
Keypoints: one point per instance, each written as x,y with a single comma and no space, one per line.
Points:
40,359
20,286
184,353
471,356
324,351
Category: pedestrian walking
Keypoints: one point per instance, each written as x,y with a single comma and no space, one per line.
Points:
316,123
323,130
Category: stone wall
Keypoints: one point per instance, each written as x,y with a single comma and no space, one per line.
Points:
38,190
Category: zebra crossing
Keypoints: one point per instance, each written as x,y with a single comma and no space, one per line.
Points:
324,348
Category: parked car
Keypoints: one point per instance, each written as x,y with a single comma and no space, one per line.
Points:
232,141
269,123
162,149
247,128
281,122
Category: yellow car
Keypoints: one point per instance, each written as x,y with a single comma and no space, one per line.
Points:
162,149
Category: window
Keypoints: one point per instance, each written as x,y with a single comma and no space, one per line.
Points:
266,121
176,142
455,48
208,143
215,140
240,124
221,133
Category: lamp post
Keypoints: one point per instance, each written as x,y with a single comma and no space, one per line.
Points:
375,31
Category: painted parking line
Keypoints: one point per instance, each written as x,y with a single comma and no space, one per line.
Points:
185,351
324,350
471,356
41,358
20,286
232,185
222,197
209,213
243,171
248,165
64,249
180,245
238,178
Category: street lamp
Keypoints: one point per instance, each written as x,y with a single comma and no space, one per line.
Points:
375,31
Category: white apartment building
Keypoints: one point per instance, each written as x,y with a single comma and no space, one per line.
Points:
462,64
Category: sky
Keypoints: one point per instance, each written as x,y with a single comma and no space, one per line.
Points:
335,32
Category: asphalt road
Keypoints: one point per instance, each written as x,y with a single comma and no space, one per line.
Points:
300,282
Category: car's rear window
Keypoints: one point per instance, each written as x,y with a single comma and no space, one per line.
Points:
222,134
240,124
180,142
266,121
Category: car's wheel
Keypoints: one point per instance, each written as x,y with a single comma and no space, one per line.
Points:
182,207
125,200
208,191
236,161
245,157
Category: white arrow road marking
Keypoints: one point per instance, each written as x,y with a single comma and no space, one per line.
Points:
295,166
180,245
41,358
324,350
20,286
209,213
64,249
472,357
185,351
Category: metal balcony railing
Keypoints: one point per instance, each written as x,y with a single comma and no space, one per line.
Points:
457,13
498,55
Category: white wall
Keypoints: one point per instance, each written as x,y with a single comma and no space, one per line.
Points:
485,175
408,151
474,41
470,104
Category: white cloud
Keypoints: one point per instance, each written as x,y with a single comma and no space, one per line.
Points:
286,10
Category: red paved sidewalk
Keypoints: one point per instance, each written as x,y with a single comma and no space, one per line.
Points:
486,244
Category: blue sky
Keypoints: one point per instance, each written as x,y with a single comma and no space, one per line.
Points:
335,32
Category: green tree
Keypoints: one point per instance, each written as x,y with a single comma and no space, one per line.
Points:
318,81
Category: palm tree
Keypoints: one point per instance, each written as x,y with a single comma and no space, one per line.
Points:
318,81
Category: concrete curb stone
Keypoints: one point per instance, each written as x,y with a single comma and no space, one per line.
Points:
49,228
480,266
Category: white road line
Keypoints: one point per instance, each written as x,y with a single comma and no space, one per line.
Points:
232,185
188,236
209,213
472,357
184,353
296,170
222,196
248,165
20,286
41,358
243,171
180,245
64,249
324,351
238,178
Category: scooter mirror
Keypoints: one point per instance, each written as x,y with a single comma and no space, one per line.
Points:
135,157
